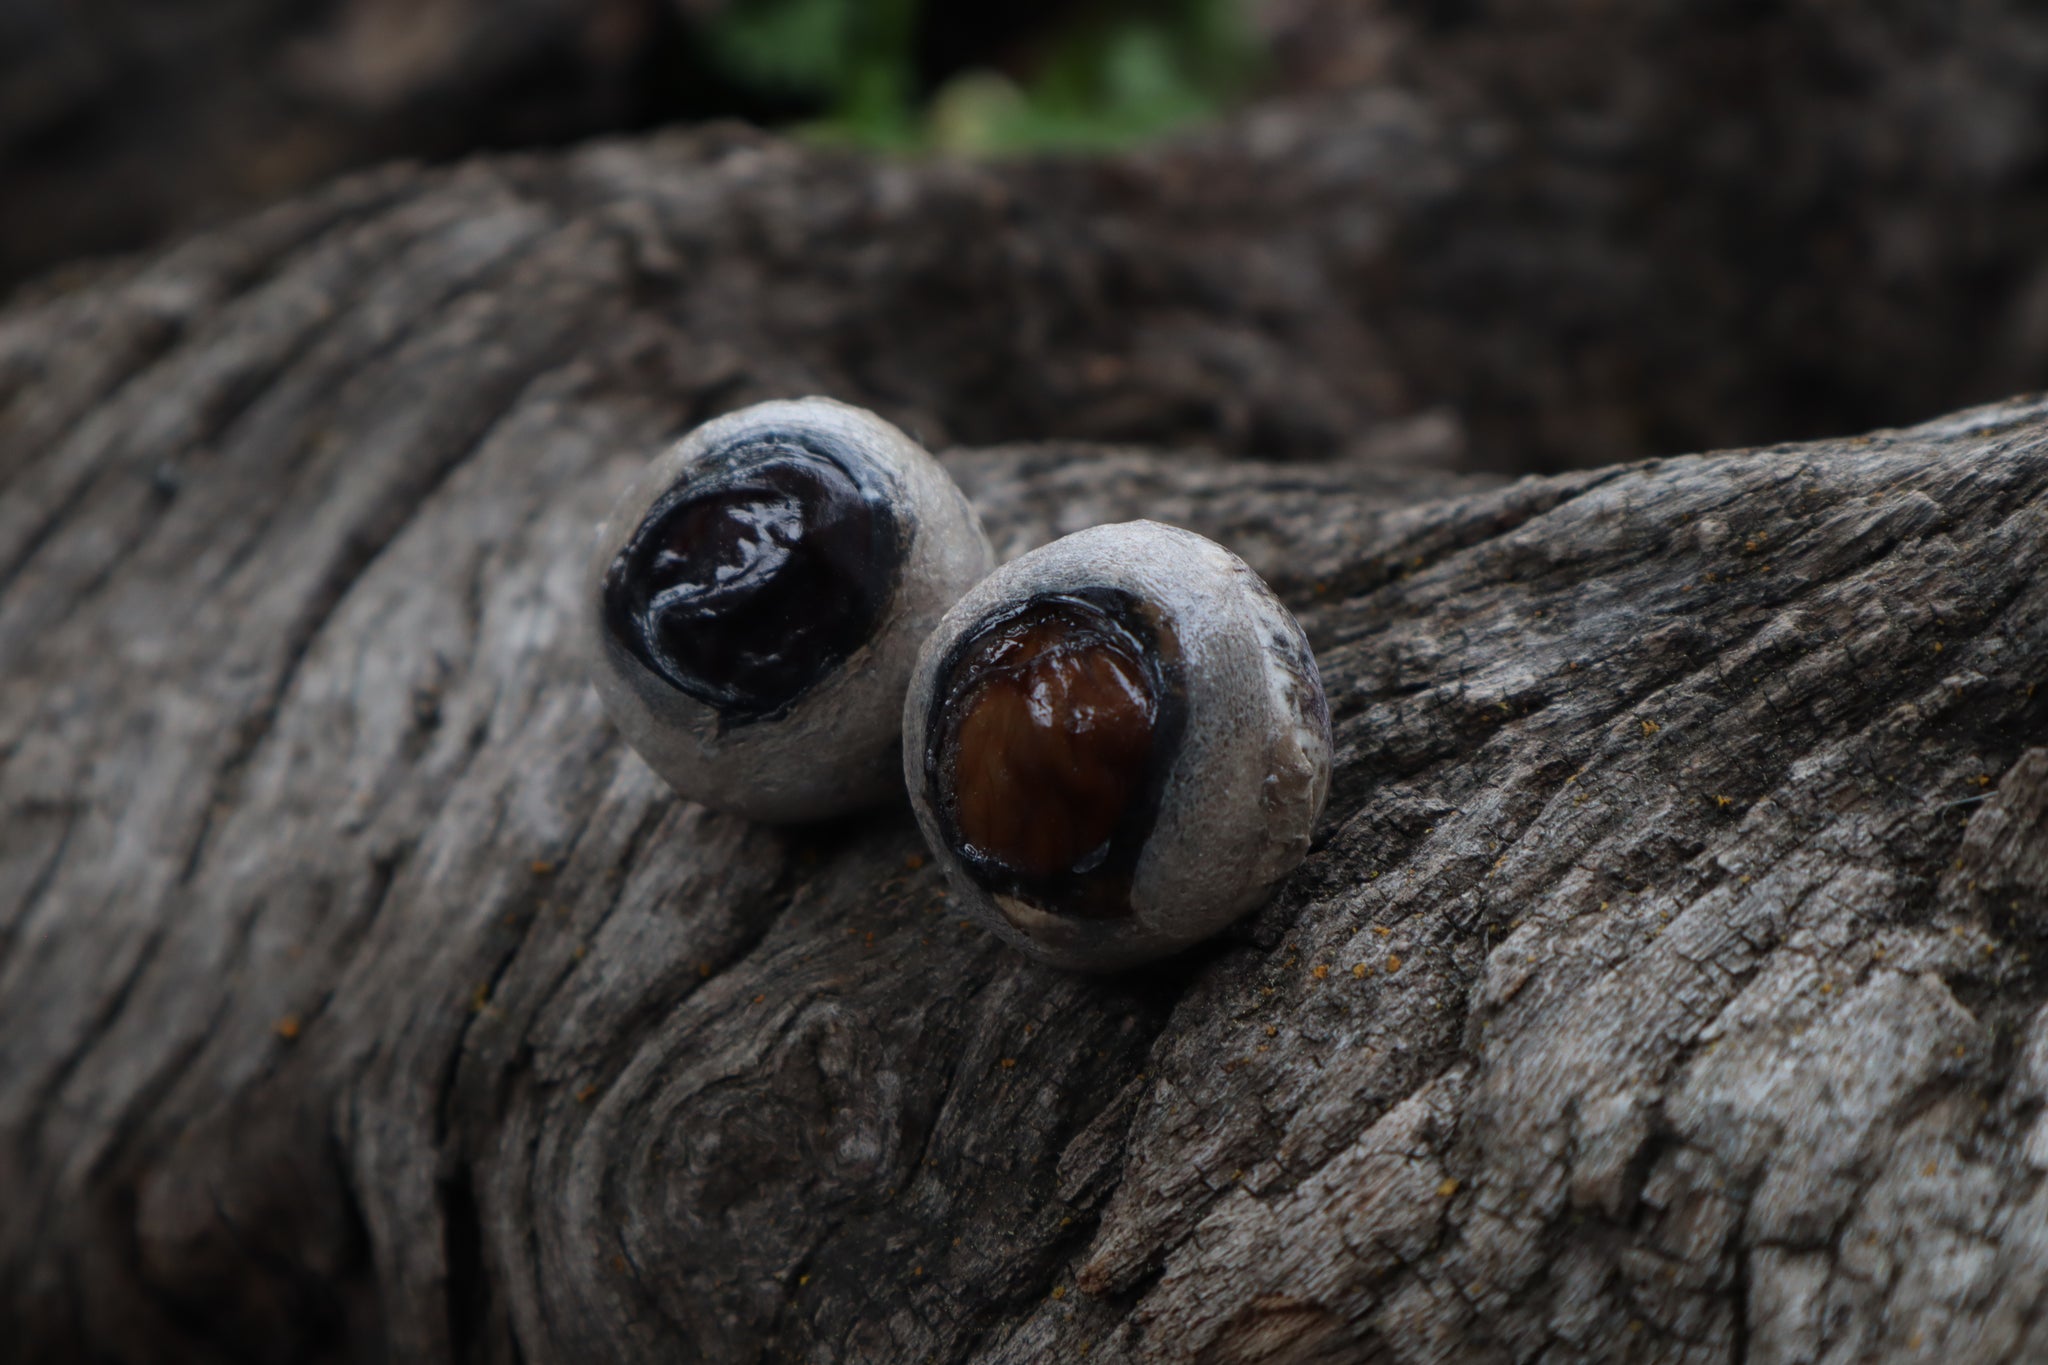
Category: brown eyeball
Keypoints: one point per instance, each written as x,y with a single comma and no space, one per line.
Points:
1117,744
757,599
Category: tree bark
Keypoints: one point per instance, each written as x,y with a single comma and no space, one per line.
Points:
1659,988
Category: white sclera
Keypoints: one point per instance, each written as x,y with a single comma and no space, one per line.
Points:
834,749
1248,777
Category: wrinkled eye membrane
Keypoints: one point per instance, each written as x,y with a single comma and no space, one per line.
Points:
755,604
1116,744
1050,732
751,582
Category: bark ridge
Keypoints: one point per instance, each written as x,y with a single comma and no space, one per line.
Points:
1660,987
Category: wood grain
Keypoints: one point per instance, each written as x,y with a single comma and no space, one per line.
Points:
1660,987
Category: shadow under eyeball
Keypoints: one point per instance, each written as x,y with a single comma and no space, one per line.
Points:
746,587
1050,735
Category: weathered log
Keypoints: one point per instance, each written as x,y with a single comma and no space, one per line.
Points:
1660,987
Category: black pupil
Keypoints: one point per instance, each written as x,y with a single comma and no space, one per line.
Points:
748,586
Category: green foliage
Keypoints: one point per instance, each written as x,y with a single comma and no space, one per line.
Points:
1121,72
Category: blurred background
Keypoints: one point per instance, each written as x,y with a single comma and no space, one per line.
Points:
122,121
1853,193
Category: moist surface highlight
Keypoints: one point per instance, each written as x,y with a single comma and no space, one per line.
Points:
749,584
1048,738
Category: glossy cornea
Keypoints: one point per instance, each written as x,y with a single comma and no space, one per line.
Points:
755,603
1116,745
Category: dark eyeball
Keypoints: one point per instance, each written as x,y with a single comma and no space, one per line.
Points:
1117,744
757,599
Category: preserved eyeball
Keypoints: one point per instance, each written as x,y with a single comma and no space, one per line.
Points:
1117,744
757,599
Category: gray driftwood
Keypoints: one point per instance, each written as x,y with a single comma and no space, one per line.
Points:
1662,986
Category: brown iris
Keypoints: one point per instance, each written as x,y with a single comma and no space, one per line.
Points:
1044,754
